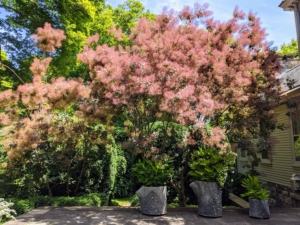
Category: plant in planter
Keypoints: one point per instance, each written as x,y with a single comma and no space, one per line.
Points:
258,197
153,174
209,169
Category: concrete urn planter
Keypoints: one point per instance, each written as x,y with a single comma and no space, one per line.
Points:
209,197
259,208
153,200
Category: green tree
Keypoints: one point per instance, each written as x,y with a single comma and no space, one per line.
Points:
125,15
289,50
6,76
79,19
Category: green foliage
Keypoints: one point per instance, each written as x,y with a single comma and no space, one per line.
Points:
153,172
297,148
253,161
134,201
254,189
26,205
121,201
103,167
289,50
79,19
211,164
171,140
264,147
104,170
125,14
7,79
233,184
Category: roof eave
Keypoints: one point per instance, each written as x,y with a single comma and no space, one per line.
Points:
290,91
287,5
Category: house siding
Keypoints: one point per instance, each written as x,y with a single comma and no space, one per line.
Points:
281,168
277,173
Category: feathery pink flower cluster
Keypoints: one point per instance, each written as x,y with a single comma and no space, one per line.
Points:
92,39
39,67
49,38
187,68
40,100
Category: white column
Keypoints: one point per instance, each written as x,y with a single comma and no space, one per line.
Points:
297,23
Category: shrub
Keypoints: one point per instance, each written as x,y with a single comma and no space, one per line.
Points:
211,164
254,189
153,172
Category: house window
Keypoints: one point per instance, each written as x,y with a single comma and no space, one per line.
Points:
296,135
265,155
264,147
242,150
264,143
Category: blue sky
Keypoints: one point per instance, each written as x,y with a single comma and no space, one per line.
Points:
279,24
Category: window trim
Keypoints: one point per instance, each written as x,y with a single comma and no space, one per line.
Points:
264,161
240,157
294,162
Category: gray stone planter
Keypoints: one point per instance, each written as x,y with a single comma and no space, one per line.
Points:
209,197
259,209
153,200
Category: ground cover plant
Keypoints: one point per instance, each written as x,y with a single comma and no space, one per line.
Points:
184,81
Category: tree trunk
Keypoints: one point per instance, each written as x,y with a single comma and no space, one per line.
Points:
180,193
68,177
80,176
49,189
82,168
182,200
180,188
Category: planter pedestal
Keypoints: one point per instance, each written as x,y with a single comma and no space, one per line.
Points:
209,197
153,200
259,209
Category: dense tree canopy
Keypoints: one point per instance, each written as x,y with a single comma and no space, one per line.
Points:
79,19
180,71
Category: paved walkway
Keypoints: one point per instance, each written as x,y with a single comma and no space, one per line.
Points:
132,216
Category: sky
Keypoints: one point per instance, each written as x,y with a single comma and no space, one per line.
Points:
279,24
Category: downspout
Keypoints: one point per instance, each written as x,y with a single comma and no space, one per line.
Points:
297,21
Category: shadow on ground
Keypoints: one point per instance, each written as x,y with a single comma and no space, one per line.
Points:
133,216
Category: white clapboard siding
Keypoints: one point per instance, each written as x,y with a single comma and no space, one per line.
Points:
282,166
